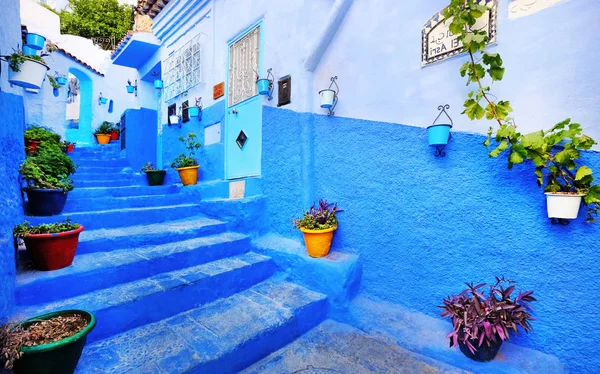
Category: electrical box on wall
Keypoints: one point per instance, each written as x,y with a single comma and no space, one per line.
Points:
284,91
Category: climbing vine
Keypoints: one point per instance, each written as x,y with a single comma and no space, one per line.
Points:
554,152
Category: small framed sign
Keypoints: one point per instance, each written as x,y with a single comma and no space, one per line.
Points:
218,90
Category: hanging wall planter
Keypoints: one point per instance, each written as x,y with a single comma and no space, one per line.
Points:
196,110
35,41
265,85
130,89
329,97
29,51
439,133
31,74
173,119
158,84
563,205
61,80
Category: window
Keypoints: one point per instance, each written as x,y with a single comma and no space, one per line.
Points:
182,69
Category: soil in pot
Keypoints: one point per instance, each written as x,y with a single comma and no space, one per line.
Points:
156,177
45,202
53,251
54,342
483,353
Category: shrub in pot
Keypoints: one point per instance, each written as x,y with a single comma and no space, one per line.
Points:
34,135
47,175
317,225
49,343
27,71
154,176
102,132
67,147
482,321
115,131
187,165
555,153
51,246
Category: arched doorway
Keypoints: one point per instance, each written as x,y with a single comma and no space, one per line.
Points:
79,120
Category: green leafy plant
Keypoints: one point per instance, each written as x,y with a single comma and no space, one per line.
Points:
115,126
148,166
319,217
17,58
554,152
104,128
191,145
24,229
48,168
53,82
41,134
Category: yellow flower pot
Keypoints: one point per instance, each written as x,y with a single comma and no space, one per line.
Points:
188,175
318,242
103,138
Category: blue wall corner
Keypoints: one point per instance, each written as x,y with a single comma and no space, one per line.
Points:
140,136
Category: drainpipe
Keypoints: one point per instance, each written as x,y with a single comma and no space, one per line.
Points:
335,19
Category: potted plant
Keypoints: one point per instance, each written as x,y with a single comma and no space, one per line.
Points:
158,83
46,174
555,153
318,224
49,343
51,246
34,135
187,165
114,131
481,322
67,147
130,87
61,79
26,71
103,132
154,176
196,110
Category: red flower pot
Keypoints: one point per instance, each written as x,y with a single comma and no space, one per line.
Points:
52,251
31,146
70,148
114,135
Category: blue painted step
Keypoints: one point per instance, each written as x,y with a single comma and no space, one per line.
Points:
116,182
94,271
141,235
110,169
140,302
112,162
79,205
222,337
79,176
122,217
125,191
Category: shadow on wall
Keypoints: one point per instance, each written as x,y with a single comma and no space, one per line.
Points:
84,92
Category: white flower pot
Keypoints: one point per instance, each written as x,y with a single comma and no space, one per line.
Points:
174,120
563,205
327,98
32,74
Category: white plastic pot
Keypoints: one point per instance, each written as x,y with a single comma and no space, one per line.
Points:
32,74
174,120
327,98
563,205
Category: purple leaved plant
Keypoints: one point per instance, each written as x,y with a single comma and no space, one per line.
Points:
482,320
318,217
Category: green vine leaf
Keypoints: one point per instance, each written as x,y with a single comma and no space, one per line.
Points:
473,110
583,171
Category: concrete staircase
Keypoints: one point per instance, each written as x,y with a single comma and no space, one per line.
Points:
173,290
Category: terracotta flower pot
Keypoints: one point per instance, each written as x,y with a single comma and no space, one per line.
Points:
102,138
31,146
188,175
114,135
318,242
52,251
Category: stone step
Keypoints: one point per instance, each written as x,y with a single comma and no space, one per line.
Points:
113,182
130,305
113,218
95,162
124,191
222,337
106,240
79,176
94,271
101,169
104,203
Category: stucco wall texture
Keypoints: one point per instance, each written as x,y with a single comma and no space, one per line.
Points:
424,225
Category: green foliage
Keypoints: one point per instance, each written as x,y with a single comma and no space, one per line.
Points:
49,167
96,18
104,128
52,82
17,59
554,152
191,145
148,166
41,134
24,229
318,217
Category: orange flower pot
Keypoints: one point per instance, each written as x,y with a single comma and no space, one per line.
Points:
318,242
188,175
103,138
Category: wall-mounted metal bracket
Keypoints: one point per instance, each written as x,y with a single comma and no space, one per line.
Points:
559,221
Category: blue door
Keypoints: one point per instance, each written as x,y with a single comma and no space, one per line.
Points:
243,119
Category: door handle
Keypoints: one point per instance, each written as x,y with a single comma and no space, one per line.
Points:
234,111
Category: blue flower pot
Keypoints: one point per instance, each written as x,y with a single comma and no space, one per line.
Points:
439,134
29,51
194,111
103,100
35,41
263,86
130,89
61,80
158,84
45,202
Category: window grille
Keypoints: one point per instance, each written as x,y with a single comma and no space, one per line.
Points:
182,69
243,67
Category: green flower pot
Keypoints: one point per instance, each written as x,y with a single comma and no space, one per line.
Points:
60,357
156,177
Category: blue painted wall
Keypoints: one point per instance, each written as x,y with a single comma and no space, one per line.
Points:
140,136
12,154
209,157
424,225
